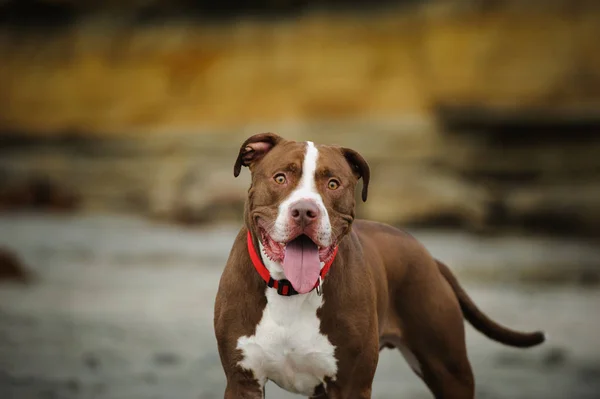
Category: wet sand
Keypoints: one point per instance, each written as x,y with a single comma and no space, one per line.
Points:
122,308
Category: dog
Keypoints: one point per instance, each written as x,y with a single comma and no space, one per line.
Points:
309,295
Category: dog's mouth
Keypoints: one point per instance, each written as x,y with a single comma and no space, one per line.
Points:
276,250
300,257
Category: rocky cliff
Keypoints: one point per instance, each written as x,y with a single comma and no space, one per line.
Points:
482,117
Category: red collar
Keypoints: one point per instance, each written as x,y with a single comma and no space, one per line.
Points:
283,287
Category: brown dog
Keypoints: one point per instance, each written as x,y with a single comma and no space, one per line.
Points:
309,295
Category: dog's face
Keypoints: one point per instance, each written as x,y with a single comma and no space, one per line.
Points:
301,201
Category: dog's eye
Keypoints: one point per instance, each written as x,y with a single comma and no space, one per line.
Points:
333,184
279,178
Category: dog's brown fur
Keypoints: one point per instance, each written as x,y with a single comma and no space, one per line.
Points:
383,290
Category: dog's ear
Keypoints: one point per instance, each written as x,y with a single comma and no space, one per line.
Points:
360,167
253,149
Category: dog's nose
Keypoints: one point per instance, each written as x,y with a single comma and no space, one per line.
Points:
304,212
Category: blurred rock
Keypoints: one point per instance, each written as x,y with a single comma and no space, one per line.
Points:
561,207
540,168
166,359
36,193
555,357
11,267
208,197
484,180
589,278
478,116
91,361
421,195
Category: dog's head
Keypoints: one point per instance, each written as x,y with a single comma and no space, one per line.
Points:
301,200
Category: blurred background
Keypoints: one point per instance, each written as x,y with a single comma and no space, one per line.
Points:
120,122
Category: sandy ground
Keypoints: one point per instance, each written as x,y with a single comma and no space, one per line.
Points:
122,308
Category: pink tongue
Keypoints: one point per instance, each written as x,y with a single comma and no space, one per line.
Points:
301,264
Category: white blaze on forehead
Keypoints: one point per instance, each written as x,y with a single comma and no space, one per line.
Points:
309,167
306,189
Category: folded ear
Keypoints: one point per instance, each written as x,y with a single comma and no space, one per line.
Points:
253,149
360,167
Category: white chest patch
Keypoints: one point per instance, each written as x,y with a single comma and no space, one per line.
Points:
288,347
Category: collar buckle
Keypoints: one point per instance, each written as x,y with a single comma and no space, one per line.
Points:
285,288
318,287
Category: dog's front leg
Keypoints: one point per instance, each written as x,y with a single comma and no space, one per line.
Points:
335,392
355,378
243,386
234,392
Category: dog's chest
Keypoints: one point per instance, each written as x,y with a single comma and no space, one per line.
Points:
288,347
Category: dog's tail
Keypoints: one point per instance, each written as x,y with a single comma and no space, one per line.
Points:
482,323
